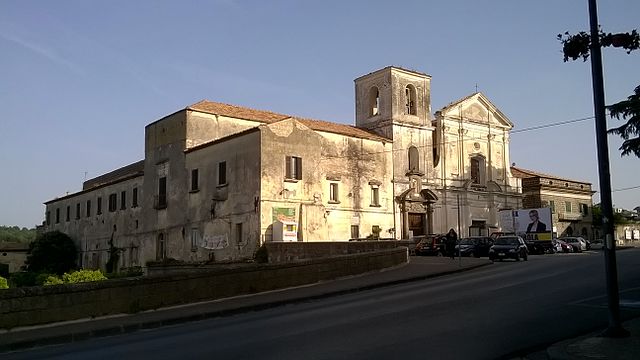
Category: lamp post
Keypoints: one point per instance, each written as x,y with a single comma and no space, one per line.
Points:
615,328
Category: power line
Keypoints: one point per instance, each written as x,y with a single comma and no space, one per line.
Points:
623,189
552,124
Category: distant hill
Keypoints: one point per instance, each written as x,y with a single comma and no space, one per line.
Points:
16,234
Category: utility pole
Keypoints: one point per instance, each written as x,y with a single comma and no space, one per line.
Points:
615,327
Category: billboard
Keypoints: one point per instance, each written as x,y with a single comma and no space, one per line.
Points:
533,224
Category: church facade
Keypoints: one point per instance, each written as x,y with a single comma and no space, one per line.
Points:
218,180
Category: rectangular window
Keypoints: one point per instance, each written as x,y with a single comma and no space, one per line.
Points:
239,233
584,209
134,197
333,193
355,231
567,206
552,205
77,211
222,172
68,212
113,202
99,210
293,168
194,179
57,215
375,196
195,238
123,200
162,193
48,218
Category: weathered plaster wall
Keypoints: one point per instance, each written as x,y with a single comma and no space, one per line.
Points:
92,234
354,164
215,210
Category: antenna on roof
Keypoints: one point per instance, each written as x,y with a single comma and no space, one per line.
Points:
476,87
85,176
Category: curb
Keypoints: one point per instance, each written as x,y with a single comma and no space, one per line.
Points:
111,330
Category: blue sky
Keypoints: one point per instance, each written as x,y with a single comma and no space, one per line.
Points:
81,79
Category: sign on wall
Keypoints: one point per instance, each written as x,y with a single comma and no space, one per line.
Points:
215,242
284,214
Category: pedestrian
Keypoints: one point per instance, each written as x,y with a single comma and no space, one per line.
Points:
452,239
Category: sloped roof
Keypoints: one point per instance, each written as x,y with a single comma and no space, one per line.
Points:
482,98
269,117
124,172
524,173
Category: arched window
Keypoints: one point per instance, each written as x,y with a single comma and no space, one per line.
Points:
374,101
410,100
414,159
477,170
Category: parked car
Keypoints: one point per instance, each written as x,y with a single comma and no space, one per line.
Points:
509,247
562,246
432,245
475,246
578,243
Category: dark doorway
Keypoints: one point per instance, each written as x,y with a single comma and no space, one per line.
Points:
416,223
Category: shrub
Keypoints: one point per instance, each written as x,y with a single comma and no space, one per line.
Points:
52,252
3,283
21,279
262,255
52,280
83,276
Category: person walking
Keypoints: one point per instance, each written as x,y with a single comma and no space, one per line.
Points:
452,239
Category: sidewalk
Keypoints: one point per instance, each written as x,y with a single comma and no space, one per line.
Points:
594,347
419,268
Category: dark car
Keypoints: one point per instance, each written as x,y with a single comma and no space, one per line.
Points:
509,247
432,245
475,246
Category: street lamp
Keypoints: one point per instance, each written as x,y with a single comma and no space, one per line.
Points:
615,328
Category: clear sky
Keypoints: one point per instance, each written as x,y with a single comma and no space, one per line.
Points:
79,80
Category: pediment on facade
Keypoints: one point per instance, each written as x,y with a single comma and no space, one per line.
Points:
477,108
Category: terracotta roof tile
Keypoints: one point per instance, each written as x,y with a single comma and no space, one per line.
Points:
271,117
524,173
236,111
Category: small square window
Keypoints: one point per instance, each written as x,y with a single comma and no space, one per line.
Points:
68,212
567,206
77,211
88,208
99,210
293,168
134,197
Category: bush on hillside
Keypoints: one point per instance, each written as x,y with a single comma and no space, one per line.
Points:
3,283
52,252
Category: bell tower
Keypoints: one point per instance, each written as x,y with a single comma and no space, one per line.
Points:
396,103
392,95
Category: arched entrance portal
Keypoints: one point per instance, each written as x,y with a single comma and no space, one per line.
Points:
416,212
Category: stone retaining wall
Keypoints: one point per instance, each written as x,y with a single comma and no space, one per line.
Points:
280,252
48,304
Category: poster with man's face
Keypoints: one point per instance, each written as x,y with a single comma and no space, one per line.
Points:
534,224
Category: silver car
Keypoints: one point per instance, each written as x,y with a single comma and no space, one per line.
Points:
578,243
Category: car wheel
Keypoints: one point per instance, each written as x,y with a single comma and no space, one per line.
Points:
525,257
439,254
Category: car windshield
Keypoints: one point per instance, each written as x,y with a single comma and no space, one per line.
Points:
507,241
467,241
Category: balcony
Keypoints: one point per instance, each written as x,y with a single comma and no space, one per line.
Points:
566,216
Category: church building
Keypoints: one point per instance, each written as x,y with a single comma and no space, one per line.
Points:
218,180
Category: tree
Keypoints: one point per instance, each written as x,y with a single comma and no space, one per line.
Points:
578,46
52,252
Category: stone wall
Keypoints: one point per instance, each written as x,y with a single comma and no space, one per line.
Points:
49,304
280,252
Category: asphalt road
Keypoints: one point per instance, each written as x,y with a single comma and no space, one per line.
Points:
488,313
